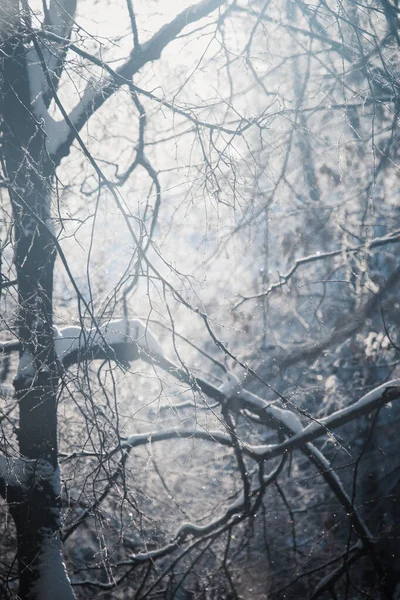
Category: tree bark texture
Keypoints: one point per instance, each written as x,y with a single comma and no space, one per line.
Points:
35,504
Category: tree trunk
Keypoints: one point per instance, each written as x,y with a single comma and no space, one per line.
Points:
35,504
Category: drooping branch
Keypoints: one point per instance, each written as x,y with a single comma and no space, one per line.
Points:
373,400
124,341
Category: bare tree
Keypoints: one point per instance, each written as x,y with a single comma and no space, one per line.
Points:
223,116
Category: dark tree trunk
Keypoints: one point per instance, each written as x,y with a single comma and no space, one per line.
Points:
35,504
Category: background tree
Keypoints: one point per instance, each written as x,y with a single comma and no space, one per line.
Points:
199,273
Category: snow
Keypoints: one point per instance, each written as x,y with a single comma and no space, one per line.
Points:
57,132
122,331
231,386
53,582
60,130
369,402
26,368
346,414
37,88
288,418
44,471
15,472
371,396
127,331
67,340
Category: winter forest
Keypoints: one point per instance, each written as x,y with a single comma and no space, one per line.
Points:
199,348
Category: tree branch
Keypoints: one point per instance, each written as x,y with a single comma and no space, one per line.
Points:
150,51
375,243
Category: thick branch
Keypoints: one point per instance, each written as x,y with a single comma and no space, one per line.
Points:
385,393
93,99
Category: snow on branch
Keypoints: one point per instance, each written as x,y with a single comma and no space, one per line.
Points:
21,473
373,400
122,340
237,398
93,97
53,581
282,420
58,20
38,90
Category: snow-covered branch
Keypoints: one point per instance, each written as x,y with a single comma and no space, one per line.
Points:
122,340
375,399
58,21
94,96
286,422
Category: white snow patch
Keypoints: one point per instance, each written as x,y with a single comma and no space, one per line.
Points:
133,330
45,471
68,339
60,130
345,413
26,368
373,395
18,471
37,87
288,418
53,580
57,132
